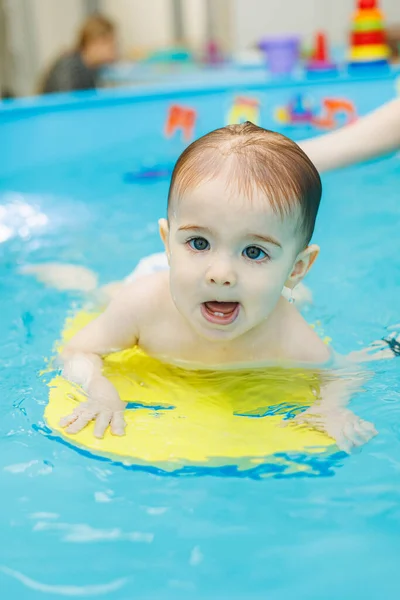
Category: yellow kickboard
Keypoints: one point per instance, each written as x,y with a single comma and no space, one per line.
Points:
182,417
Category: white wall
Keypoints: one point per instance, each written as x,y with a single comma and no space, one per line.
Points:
224,19
38,31
254,18
147,23
141,23
55,24
194,22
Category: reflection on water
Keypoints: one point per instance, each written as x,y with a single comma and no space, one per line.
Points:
19,216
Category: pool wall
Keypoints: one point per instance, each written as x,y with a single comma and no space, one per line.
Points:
38,131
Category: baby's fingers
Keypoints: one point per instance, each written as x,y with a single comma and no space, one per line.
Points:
356,434
370,428
118,424
102,422
366,430
65,421
81,421
71,418
308,420
344,443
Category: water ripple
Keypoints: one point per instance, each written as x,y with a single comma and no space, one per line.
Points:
65,590
82,533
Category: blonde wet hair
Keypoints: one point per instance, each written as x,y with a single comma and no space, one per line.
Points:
255,159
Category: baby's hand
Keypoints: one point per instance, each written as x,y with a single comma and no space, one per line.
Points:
341,424
104,406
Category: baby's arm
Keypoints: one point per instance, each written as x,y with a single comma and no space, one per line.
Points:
331,415
376,134
115,329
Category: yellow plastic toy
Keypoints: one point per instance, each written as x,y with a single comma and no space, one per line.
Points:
368,44
371,52
244,109
179,419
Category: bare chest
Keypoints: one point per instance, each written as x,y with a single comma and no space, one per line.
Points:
173,340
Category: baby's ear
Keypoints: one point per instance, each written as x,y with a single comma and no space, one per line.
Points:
163,228
304,261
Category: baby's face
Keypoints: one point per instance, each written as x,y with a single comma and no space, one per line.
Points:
229,259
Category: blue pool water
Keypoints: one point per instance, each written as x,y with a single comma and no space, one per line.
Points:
74,526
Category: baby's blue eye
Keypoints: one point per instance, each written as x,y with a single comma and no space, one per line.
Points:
200,244
254,253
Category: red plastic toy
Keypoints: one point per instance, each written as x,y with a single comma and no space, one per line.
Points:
320,61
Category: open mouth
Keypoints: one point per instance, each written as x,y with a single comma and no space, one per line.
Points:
220,313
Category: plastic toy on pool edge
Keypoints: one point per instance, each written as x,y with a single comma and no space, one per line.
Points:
213,54
281,53
152,173
320,62
244,109
368,47
300,111
181,118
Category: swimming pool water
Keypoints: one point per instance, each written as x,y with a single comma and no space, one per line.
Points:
74,526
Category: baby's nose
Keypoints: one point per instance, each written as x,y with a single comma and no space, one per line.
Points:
219,281
221,275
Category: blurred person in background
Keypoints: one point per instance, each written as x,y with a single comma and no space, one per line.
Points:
78,69
393,41
6,59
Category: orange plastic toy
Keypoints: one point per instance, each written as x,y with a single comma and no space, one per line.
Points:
332,108
181,118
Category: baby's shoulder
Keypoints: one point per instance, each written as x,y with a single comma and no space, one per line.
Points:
301,343
148,293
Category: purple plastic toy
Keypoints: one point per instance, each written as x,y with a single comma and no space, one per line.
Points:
282,53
